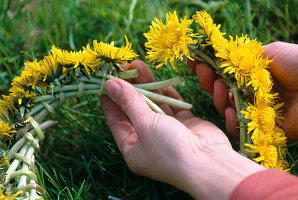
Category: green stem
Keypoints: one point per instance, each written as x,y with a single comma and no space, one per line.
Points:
164,99
91,80
133,73
74,87
40,116
26,172
205,57
89,90
202,57
36,109
43,98
242,125
28,155
152,105
13,166
19,144
194,56
158,85
15,148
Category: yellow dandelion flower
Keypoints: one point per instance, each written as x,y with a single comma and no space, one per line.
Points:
260,138
280,141
73,59
261,82
262,116
268,154
205,21
48,67
7,197
90,61
111,53
26,79
31,68
211,30
7,103
20,94
282,165
19,84
217,40
279,137
3,160
67,58
239,57
5,130
169,41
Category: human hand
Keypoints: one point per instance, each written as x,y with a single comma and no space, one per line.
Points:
173,149
284,70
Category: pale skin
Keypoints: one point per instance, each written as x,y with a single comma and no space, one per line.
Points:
179,149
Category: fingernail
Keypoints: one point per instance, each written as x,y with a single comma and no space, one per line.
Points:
113,89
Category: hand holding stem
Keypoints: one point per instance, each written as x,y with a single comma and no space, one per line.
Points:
284,72
185,151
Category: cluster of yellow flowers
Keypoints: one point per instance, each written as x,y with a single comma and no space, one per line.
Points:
239,57
37,79
42,73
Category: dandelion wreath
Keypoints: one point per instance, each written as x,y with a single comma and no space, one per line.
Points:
241,64
45,84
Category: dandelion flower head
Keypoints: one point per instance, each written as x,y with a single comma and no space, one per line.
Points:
5,130
268,156
239,57
263,117
47,68
261,82
169,41
73,59
111,53
205,21
212,31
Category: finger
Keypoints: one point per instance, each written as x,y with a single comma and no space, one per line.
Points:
171,92
220,96
231,122
192,63
120,126
206,77
145,75
130,101
125,66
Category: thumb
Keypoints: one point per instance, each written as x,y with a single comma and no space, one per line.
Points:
284,66
130,101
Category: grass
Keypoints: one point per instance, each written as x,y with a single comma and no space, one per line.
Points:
79,159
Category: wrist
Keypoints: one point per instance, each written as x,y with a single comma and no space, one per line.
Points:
214,175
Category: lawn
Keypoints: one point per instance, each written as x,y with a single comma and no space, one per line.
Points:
79,159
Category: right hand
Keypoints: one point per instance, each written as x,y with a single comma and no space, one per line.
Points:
181,149
284,70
